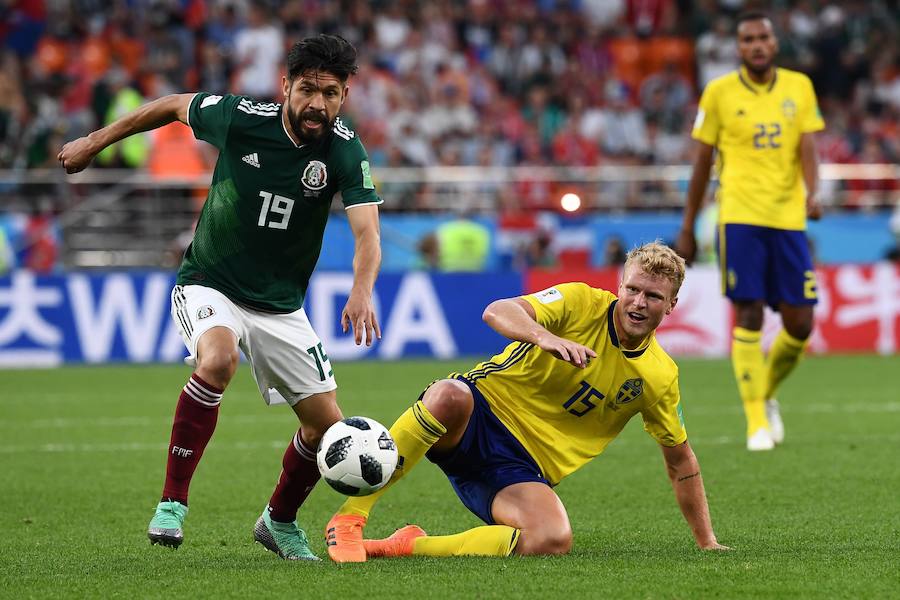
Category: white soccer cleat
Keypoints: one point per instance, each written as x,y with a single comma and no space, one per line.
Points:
761,440
776,425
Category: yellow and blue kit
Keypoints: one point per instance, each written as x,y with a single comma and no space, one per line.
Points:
756,129
539,418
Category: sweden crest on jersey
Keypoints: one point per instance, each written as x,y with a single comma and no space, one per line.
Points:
630,390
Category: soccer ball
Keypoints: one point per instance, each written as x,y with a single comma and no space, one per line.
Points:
357,456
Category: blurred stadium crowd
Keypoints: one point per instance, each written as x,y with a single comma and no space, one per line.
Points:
490,83
476,82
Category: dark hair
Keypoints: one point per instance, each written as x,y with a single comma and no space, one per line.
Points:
329,53
751,15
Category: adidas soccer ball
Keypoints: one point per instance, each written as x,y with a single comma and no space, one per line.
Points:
357,456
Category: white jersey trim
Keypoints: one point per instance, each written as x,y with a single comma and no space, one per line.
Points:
379,201
187,117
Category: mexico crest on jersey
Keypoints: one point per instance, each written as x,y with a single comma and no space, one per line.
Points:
205,312
630,390
315,175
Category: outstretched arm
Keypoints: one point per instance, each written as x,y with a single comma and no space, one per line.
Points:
684,473
514,318
359,312
78,154
686,245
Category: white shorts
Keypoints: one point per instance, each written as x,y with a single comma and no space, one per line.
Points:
287,357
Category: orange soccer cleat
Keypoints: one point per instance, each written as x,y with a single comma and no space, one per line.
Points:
400,543
344,538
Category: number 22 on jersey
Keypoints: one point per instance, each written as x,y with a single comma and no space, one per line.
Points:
275,211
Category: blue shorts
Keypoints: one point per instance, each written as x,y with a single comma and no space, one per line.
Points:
487,459
763,263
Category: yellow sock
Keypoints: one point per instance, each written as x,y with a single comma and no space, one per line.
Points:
488,540
414,433
750,372
784,355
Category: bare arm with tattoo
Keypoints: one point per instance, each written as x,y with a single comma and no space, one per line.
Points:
687,483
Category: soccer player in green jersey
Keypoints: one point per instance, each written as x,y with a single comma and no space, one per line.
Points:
243,278
581,364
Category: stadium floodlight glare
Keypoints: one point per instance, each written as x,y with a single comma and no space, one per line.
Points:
570,202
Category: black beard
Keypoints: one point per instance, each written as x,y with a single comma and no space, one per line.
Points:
758,71
304,136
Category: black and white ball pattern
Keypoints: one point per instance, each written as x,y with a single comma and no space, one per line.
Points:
357,456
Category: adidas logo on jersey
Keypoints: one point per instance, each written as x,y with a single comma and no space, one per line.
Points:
252,160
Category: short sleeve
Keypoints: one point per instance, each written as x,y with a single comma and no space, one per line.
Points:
706,123
663,420
554,306
811,119
354,179
210,116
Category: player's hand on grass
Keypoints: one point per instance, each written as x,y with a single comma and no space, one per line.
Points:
567,350
76,155
359,313
686,245
813,207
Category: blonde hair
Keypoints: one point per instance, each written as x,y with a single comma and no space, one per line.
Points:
658,260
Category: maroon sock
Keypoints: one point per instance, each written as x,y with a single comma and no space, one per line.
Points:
299,475
195,421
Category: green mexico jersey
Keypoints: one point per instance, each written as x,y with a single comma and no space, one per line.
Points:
260,231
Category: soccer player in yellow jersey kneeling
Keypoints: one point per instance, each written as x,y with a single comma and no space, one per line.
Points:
582,363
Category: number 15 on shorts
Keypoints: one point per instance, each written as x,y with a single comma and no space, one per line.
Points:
318,354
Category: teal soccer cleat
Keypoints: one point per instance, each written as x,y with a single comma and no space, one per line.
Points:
165,526
284,539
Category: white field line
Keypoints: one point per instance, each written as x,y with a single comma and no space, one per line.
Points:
130,447
722,440
730,408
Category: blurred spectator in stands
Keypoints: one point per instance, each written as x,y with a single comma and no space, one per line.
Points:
505,57
215,72
664,95
540,58
544,114
716,51
13,111
603,14
571,148
624,130
132,152
258,54
649,17
449,113
460,245
222,27
614,252
6,253
540,252
41,248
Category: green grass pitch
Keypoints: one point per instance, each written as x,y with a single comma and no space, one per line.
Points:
82,454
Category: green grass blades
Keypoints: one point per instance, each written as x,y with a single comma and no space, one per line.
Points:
82,457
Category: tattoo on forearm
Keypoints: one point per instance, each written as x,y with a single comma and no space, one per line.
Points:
689,476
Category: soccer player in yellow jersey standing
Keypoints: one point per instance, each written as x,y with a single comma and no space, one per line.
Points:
581,364
761,120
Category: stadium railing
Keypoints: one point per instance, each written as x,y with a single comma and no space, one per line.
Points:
132,218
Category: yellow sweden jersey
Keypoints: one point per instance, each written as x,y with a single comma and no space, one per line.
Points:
757,129
565,416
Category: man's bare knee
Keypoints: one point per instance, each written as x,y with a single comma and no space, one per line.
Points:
449,401
218,365
540,541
